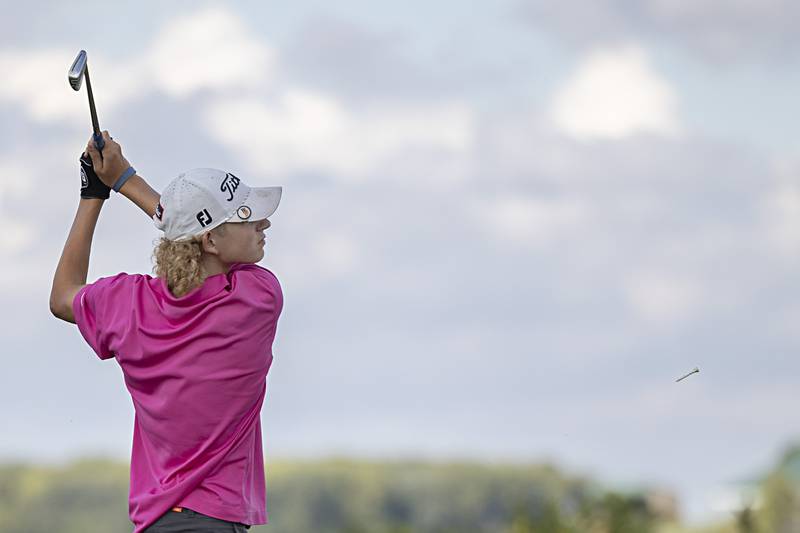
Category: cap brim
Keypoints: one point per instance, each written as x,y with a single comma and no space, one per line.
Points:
262,201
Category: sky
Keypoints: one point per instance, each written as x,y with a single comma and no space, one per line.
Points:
505,231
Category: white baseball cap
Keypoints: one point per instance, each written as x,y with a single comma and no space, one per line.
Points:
201,199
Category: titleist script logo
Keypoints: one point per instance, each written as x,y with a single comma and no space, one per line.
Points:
84,179
204,218
229,184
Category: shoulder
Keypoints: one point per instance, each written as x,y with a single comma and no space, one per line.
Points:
252,275
110,292
123,279
115,284
253,270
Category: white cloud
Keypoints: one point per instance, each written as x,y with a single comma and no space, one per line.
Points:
297,130
532,222
16,187
780,209
210,49
335,254
727,31
34,224
306,270
16,178
663,298
615,93
15,237
310,131
36,81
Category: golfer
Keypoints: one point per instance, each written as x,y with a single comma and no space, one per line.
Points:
194,343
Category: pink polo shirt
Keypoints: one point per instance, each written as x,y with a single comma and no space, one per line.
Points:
196,369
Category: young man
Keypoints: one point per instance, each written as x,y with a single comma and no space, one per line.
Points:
194,344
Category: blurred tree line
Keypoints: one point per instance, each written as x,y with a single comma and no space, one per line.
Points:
770,503
354,496
775,508
349,496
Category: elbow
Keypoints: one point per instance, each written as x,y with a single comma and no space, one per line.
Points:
54,304
55,309
63,314
58,310
61,302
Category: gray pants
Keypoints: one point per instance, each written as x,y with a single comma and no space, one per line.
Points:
188,521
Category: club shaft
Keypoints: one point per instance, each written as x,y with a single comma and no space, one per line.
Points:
93,111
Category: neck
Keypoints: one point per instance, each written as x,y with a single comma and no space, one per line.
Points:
212,266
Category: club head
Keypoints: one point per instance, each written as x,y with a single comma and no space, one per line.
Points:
75,75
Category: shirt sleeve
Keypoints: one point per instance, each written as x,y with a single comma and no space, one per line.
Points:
91,309
264,285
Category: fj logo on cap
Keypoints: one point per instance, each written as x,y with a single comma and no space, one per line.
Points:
229,184
159,211
204,218
244,212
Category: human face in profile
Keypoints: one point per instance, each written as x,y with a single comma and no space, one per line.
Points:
240,242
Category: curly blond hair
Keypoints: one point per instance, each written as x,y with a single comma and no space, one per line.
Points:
180,264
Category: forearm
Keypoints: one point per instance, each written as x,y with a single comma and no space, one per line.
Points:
73,267
140,193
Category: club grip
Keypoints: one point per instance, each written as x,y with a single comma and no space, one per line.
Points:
99,142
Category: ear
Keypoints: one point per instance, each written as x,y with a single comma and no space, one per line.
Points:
209,242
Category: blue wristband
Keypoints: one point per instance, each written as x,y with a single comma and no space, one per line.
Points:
122,179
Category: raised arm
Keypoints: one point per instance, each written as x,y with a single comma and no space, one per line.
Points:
111,164
73,266
140,193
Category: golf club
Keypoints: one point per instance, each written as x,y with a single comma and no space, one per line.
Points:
78,71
